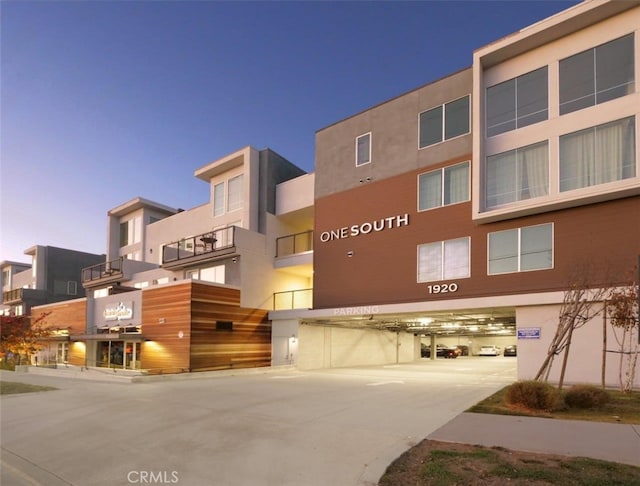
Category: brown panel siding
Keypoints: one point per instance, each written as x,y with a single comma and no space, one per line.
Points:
383,268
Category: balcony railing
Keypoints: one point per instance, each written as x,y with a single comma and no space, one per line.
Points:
203,244
296,243
12,296
102,270
293,299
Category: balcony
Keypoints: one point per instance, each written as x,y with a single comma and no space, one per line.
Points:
294,244
17,296
293,299
202,247
103,273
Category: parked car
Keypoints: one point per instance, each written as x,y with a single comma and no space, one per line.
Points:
442,351
511,350
489,350
463,350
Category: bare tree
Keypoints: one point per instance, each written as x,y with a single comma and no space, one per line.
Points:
622,307
580,304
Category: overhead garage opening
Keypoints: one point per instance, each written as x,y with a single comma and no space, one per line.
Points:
404,336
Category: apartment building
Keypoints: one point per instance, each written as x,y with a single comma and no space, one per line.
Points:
53,275
460,212
189,290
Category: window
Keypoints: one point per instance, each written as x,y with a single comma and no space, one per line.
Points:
100,293
62,353
363,149
517,103
597,75
443,260
598,155
521,249
444,122
131,231
141,285
211,274
517,175
235,193
72,287
218,199
442,187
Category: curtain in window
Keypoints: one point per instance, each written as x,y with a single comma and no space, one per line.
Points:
456,258
533,171
430,262
234,195
456,181
430,190
598,155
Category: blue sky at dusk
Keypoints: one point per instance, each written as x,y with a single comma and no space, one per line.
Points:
104,101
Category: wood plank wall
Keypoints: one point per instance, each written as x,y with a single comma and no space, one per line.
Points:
248,344
70,315
166,312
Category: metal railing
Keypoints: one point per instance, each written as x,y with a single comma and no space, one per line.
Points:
12,295
296,243
103,270
293,299
202,244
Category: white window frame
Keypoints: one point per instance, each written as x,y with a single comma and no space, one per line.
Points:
442,171
357,149
443,122
219,206
239,204
442,262
519,250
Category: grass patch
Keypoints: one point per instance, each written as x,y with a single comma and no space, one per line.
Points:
621,408
13,387
441,463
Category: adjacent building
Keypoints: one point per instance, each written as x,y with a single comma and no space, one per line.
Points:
189,290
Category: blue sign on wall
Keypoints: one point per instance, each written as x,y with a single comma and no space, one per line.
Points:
529,333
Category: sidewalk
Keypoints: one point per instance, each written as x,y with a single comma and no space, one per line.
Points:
597,440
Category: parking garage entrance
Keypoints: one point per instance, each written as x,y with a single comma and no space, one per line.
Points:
369,339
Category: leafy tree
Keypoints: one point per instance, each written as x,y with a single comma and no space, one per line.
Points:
22,336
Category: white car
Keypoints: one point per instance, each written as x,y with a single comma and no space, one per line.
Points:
490,350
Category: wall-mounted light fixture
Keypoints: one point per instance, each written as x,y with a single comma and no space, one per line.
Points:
350,253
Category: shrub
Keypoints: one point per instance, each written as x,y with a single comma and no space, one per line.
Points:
586,396
534,395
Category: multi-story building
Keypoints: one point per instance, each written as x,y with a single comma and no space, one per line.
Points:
186,290
460,212
53,275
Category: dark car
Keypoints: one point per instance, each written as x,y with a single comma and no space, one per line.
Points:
442,351
511,350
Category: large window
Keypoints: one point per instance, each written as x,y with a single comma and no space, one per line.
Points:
444,122
218,199
131,231
518,102
597,75
443,260
363,149
517,175
598,155
521,249
235,193
442,187
214,274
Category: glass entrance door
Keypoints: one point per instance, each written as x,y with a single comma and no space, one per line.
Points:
132,355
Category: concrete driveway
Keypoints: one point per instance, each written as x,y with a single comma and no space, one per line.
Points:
338,427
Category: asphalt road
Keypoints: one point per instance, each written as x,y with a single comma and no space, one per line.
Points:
338,427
